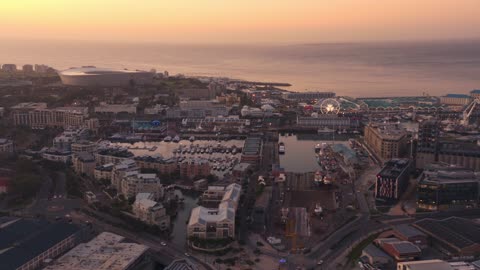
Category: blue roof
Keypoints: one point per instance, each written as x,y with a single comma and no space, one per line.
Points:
475,91
29,238
458,95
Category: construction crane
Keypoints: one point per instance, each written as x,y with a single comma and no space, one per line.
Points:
467,113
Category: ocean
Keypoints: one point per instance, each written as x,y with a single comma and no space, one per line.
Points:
351,69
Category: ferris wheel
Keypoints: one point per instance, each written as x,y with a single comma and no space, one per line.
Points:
330,106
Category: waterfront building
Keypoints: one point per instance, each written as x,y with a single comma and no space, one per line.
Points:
121,170
197,109
307,96
149,211
56,155
455,99
452,236
84,163
432,148
83,146
105,251
103,172
194,167
136,182
113,109
65,140
252,150
27,68
93,76
6,146
38,116
475,93
160,164
112,155
442,186
386,140
9,67
392,180
216,223
398,249
27,244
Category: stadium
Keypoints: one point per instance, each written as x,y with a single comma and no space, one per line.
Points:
93,76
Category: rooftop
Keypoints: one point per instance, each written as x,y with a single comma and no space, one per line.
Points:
181,264
408,231
106,251
457,96
93,71
24,239
394,167
454,231
372,250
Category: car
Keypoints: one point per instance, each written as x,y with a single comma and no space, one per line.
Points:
163,243
320,262
186,254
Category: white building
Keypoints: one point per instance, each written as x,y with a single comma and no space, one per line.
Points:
122,169
56,155
149,211
106,251
135,182
93,76
216,223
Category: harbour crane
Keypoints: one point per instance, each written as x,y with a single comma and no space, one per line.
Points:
467,113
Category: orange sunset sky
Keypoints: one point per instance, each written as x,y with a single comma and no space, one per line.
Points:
242,21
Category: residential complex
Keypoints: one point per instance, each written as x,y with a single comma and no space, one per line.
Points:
216,223
149,211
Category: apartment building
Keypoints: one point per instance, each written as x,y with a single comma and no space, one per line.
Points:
216,223
135,182
194,167
386,140
149,211
84,163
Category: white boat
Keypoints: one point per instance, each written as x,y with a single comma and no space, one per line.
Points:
176,139
281,148
167,139
192,138
318,147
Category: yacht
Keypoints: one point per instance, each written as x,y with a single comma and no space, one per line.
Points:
176,138
325,130
192,138
281,148
167,139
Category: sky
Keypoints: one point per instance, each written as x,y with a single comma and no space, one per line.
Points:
240,21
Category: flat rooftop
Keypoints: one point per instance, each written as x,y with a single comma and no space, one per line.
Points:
106,251
457,232
394,167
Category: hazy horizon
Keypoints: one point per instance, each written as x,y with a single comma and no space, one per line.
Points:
248,21
354,69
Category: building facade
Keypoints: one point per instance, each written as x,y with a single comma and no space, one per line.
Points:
392,180
387,141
